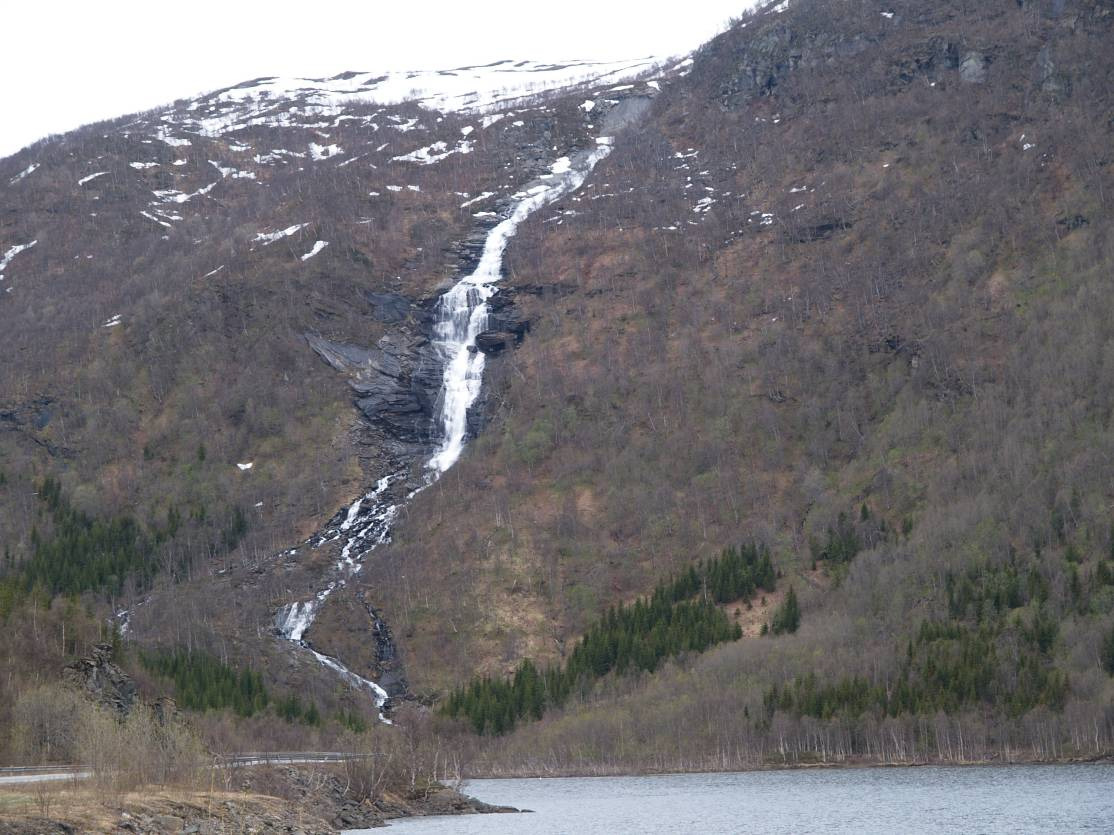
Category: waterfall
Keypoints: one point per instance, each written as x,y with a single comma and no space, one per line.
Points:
461,317
366,525
462,311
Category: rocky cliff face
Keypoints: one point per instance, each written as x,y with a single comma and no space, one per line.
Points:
102,681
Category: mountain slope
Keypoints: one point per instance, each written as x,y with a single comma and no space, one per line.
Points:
840,289
851,276
233,275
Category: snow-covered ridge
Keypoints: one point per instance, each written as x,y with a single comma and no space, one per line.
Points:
319,103
462,88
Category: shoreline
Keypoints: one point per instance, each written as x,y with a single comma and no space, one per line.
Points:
269,801
527,774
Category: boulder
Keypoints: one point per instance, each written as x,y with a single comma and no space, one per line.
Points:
972,69
493,342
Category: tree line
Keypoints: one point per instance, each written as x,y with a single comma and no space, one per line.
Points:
203,682
681,615
78,553
73,552
992,650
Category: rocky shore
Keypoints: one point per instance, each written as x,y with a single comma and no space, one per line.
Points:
269,801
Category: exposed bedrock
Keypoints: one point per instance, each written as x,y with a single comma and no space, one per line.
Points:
397,381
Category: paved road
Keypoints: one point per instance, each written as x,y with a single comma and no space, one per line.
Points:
19,775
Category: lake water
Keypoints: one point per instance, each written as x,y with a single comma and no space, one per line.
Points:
976,799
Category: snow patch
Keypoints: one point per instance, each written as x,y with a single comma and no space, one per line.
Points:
317,247
247,466
150,216
172,195
435,152
28,170
12,252
91,177
270,237
320,152
483,196
173,141
234,173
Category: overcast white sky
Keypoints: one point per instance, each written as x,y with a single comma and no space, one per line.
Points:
64,64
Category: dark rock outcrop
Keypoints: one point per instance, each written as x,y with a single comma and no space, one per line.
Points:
390,674
928,59
1051,80
492,342
102,681
396,384
30,418
763,60
389,308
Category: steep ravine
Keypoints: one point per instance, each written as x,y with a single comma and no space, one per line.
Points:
393,399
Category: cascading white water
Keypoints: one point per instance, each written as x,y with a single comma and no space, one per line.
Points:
462,311
462,316
366,525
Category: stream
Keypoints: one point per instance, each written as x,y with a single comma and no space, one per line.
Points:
461,315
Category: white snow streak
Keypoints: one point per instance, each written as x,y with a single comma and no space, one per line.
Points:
28,170
434,153
270,237
483,196
317,247
13,252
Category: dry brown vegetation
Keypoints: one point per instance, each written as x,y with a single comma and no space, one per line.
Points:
897,301
155,777
209,367
926,336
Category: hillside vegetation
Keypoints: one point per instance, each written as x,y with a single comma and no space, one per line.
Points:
842,294
845,294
